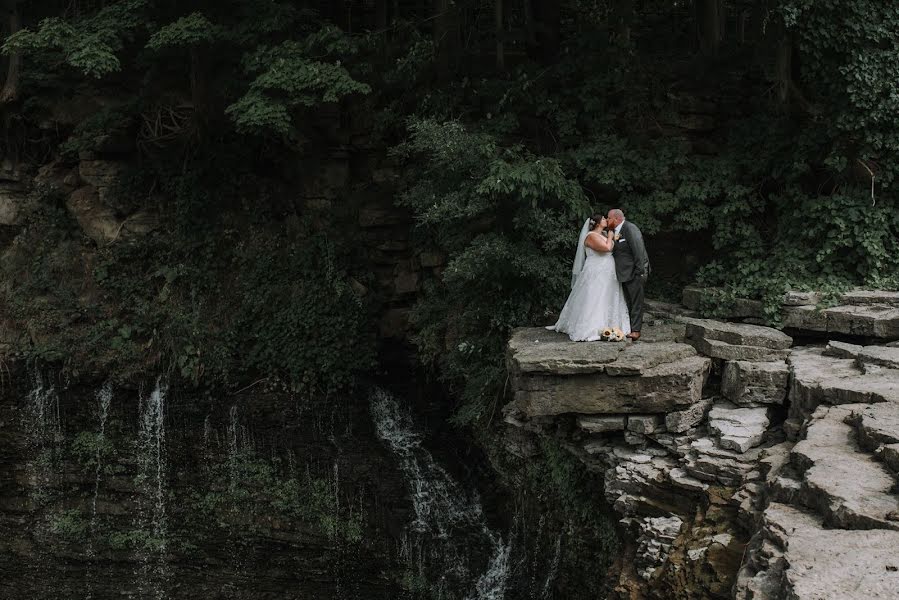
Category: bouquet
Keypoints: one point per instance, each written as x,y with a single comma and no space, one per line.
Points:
612,334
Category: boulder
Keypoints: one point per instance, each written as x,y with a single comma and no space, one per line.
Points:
738,429
103,176
796,298
96,220
744,382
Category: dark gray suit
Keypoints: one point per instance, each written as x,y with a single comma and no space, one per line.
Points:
632,269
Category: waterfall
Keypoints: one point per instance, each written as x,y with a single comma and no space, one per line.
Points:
42,424
104,399
449,529
152,477
553,569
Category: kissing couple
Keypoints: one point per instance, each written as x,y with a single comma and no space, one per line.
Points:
610,269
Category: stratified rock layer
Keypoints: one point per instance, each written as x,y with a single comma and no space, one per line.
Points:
718,497
552,375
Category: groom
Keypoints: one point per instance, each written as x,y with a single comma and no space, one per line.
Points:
631,266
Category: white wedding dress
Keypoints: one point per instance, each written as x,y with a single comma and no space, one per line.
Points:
596,301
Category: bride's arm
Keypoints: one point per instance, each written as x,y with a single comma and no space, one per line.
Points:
596,241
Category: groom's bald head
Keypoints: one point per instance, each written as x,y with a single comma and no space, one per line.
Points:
616,216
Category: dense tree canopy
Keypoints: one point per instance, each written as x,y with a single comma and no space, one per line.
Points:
761,130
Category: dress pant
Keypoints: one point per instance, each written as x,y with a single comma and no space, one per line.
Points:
633,295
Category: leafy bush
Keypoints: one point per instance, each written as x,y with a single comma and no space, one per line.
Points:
504,216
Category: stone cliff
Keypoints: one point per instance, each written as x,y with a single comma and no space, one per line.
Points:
739,465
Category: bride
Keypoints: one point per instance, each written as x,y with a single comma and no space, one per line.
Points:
596,301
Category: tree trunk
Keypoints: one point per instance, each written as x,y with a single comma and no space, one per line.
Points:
722,21
546,23
622,17
10,90
742,19
381,11
708,25
500,34
783,70
446,36
198,88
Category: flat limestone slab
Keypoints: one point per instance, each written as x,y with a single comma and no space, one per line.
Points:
725,351
874,320
639,358
863,297
660,389
844,484
880,356
842,350
737,334
877,425
738,429
602,424
537,350
833,563
819,379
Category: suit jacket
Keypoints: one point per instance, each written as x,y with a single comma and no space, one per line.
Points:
631,260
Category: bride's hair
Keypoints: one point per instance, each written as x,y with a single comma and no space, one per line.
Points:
595,220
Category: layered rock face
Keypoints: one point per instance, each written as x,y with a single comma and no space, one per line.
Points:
872,314
730,457
120,493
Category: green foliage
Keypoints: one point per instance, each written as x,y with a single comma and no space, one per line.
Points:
505,217
92,45
70,526
93,449
290,75
221,302
246,491
192,30
560,481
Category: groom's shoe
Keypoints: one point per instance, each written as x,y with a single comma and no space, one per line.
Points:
634,336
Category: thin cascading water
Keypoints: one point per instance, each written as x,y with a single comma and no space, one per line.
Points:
104,399
44,435
152,479
449,541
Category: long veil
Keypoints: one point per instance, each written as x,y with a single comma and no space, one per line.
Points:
581,255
